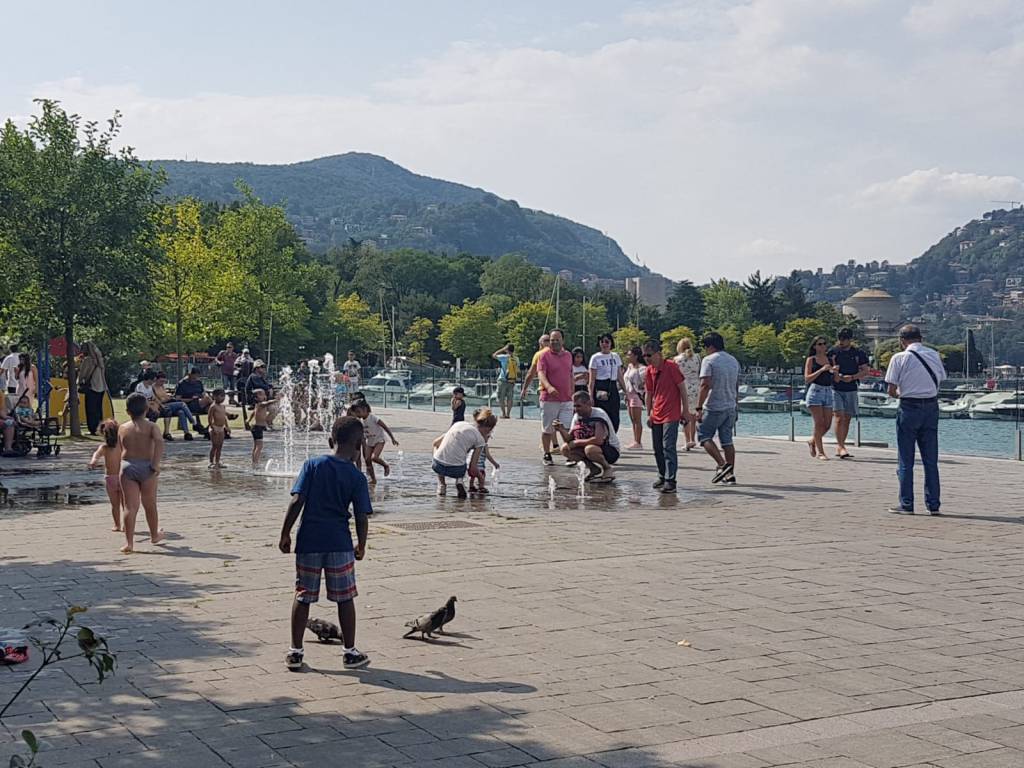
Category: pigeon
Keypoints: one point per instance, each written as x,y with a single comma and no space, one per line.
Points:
324,630
429,623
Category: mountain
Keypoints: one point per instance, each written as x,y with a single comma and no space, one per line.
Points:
365,196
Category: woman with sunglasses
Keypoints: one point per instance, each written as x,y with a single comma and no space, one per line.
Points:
606,379
818,370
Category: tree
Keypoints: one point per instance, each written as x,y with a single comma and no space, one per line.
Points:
471,333
77,220
525,324
355,325
796,338
671,337
513,276
572,323
685,306
725,303
762,344
416,338
761,299
629,336
884,352
191,291
834,320
793,298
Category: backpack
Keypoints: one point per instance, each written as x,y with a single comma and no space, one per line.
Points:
513,368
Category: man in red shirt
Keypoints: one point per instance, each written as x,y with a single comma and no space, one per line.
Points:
554,369
666,407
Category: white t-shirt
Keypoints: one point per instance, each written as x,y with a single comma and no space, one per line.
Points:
598,413
580,374
458,442
372,430
351,369
145,389
7,369
910,376
606,366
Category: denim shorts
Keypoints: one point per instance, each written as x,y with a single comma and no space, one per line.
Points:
845,402
819,395
444,470
720,422
340,568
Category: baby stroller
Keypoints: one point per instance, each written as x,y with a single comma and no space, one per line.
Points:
41,438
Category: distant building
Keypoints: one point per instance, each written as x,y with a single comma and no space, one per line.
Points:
652,289
966,245
565,274
878,310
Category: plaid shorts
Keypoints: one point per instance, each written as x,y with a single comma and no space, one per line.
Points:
340,568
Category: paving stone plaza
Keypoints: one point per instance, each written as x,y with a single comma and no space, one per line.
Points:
787,621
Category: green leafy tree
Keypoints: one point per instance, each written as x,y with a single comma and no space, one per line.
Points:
952,356
192,292
762,344
796,338
525,324
355,325
513,276
629,336
578,333
417,337
671,337
685,306
793,301
725,303
884,352
76,220
619,306
834,320
760,292
471,333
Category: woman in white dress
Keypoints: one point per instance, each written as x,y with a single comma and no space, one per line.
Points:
689,365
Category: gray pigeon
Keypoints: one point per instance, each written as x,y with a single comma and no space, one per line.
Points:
429,623
324,630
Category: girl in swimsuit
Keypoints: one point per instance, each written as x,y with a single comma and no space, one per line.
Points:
108,455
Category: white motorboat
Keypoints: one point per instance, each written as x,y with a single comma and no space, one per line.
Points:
984,407
872,403
764,400
1012,409
959,408
426,390
383,382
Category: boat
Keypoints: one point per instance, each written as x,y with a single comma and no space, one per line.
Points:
984,407
427,390
1011,409
872,403
765,400
383,382
959,408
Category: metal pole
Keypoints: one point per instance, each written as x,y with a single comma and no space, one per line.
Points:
1020,452
858,428
792,418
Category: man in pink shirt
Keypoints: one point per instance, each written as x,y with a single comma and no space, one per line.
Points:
554,369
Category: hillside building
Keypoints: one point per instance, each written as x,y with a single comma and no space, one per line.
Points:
652,290
878,310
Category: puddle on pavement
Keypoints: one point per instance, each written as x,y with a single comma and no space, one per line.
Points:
524,488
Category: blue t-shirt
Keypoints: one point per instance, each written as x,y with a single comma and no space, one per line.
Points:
187,388
329,485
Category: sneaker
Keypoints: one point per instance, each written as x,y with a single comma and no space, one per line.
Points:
900,511
723,472
669,486
605,477
168,437
659,483
354,659
188,437
934,512
548,461
293,661
571,462
596,471
460,490
730,480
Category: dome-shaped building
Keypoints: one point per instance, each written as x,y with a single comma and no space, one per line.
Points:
879,312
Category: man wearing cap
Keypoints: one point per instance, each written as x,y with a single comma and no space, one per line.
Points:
190,391
853,367
913,376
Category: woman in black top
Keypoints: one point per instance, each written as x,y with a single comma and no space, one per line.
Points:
818,370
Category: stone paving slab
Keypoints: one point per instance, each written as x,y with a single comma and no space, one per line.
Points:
819,631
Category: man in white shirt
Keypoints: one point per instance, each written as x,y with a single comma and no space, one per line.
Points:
8,371
352,371
913,376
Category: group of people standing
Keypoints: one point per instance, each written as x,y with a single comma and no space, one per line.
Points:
833,374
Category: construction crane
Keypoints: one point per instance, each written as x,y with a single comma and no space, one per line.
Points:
1012,203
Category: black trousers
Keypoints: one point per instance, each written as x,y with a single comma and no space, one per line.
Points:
612,405
93,409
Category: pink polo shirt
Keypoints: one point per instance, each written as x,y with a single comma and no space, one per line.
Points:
558,371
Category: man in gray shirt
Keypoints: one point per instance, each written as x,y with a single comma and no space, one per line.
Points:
716,406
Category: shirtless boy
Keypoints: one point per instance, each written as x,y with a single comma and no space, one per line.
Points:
260,419
217,421
142,448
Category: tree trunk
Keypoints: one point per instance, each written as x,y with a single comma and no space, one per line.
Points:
69,342
177,342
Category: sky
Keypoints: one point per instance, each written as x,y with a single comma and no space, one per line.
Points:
710,138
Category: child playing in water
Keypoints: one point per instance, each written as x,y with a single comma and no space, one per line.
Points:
479,483
108,455
458,404
217,420
142,448
451,449
260,419
373,445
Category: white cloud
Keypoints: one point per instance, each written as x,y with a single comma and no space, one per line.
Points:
930,186
935,18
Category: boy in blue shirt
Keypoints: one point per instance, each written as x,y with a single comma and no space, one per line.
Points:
323,492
